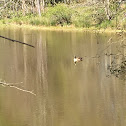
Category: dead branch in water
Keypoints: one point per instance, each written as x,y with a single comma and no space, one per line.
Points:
4,84
17,41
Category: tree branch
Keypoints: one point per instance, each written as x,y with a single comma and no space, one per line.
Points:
4,84
17,41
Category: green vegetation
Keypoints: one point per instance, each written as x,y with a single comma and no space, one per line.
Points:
77,15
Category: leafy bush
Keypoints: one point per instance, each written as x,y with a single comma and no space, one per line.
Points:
83,17
81,20
39,21
124,24
105,24
99,15
59,15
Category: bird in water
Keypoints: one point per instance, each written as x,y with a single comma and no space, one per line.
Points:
77,59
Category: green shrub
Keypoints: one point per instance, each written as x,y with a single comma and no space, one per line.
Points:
3,21
59,15
81,21
122,24
105,24
99,15
82,18
39,21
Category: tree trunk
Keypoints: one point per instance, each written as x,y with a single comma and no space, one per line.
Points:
42,5
23,7
107,9
38,7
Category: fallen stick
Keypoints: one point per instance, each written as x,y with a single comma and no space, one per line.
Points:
17,41
4,84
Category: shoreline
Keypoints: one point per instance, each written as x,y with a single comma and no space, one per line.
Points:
64,28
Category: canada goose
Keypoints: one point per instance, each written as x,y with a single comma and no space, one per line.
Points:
77,59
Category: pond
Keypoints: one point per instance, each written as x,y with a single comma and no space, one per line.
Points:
85,94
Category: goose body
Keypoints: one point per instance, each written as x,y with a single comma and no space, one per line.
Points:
77,59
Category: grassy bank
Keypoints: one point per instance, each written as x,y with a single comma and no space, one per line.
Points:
71,16
60,28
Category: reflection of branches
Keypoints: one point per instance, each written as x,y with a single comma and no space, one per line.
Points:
117,60
99,55
117,66
120,41
107,45
111,54
11,85
119,70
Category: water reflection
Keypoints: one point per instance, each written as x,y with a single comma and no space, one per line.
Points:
65,94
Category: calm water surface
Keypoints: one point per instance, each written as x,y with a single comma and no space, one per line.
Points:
66,95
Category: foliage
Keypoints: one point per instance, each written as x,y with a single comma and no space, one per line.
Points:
105,24
59,15
62,14
39,21
99,15
81,20
89,16
121,20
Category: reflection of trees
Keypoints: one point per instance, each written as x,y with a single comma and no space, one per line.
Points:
42,84
117,57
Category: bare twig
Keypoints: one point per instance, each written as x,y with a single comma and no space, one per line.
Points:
4,84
